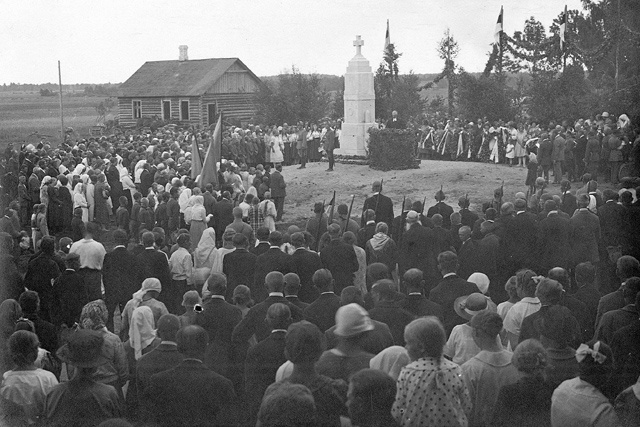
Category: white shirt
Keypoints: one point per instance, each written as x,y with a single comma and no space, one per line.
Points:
517,313
91,253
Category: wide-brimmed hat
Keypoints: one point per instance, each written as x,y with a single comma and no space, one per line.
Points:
468,306
84,349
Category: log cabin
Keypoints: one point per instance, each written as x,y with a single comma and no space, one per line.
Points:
189,92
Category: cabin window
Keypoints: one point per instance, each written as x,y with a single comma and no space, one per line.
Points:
136,109
184,110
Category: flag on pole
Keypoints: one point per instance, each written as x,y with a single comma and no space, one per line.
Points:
196,162
563,29
387,37
499,28
209,174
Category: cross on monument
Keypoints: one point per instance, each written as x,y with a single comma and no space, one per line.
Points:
358,42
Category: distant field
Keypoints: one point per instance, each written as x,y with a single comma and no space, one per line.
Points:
23,113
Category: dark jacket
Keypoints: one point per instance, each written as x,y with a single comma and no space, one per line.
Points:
416,250
613,223
272,260
239,267
304,263
188,395
69,296
420,306
340,259
222,216
277,184
585,235
322,311
382,206
443,209
470,258
553,242
261,365
162,358
119,275
394,316
450,288
255,320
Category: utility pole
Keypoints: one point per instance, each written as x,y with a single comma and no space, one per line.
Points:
618,32
62,134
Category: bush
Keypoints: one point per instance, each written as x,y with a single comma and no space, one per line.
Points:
392,149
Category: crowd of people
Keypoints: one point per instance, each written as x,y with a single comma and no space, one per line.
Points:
598,145
131,296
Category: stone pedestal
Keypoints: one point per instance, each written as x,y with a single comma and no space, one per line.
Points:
359,105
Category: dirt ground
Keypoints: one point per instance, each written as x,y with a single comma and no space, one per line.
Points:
478,180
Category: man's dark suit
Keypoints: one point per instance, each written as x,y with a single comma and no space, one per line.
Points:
470,258
41,270
322,311
382,206
162,358
119,279
569,203
396,318
340,259
278,192
571,326
590,296
450,288
188,395
260,248
297,302
209,202
585,235
553,242
219,318
153,263
255,320
366,233
6,226
261,365
443,209
69,296
416,251
442,241
467,217
395,124
613,223
222,216
272,260
304,263
239,267
518,243
420,306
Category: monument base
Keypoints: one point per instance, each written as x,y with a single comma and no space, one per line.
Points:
351,160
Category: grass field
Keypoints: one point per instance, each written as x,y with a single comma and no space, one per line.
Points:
23,113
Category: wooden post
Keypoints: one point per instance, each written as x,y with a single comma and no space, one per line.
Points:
62,133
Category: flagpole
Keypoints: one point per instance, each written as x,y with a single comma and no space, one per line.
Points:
500,42
62,134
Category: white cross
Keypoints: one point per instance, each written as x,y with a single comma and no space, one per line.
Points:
358,42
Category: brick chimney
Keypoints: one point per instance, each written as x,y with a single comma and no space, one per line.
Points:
184,55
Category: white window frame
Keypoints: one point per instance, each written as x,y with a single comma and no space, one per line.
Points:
182,110
133,108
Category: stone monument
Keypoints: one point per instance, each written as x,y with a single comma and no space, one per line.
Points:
359,105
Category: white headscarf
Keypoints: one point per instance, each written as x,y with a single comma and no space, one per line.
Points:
149,284
205,253
391,360
141,330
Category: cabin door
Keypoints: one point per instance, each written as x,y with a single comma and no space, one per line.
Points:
166,110
211,114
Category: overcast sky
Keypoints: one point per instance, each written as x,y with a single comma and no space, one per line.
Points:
101,41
